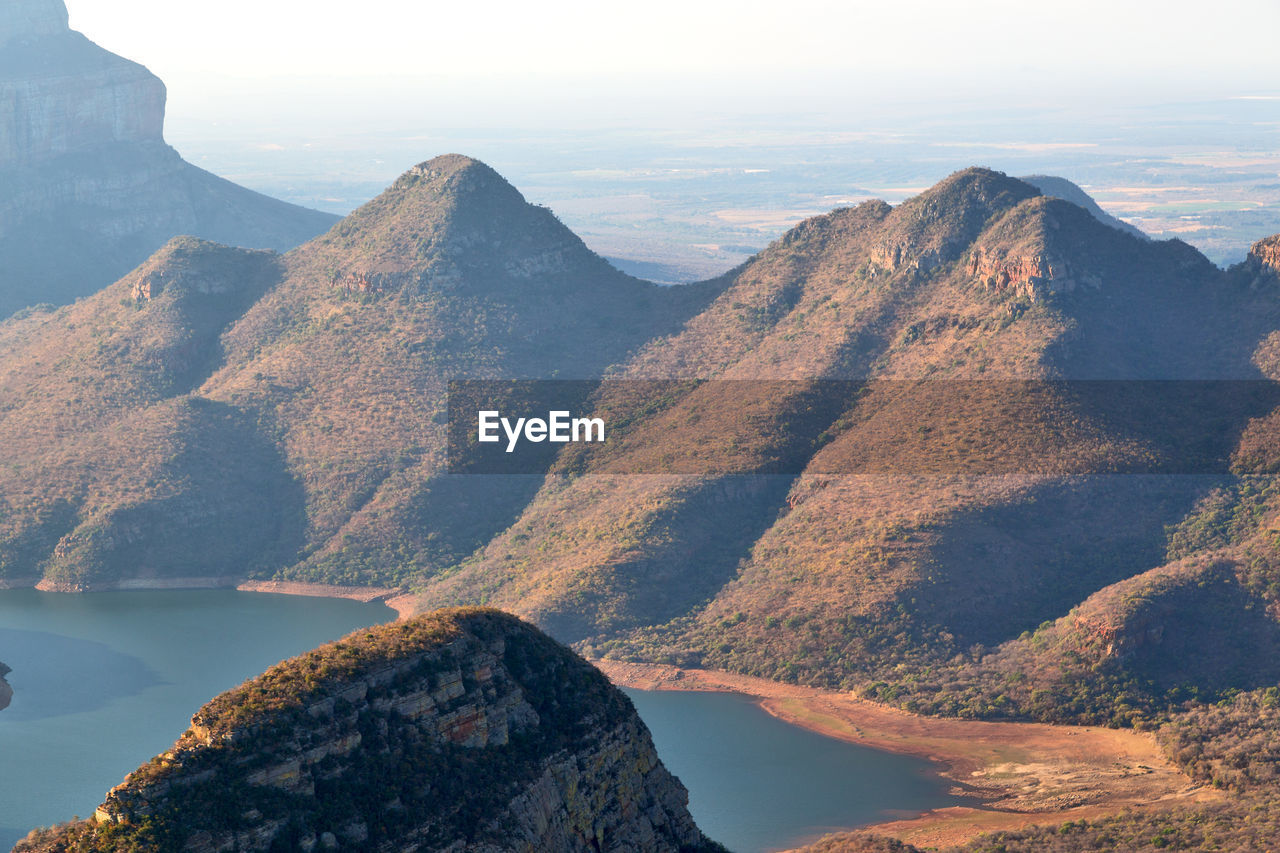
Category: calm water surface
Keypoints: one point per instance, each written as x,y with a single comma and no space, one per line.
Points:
105,681
758,784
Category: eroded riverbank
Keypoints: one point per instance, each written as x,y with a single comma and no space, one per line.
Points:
1020,774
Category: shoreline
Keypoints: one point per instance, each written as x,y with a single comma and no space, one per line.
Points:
1020,774
396,598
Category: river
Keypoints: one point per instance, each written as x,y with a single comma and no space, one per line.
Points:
104,681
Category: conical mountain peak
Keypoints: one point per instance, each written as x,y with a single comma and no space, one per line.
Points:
936,227
451,215
457,173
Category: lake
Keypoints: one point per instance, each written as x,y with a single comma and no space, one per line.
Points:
759,784
104,681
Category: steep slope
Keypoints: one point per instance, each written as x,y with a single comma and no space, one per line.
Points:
298,401
112,467
990,325
915,450
449,274
463,730
88,187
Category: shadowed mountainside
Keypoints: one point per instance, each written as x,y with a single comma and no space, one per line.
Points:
222,412
288,412
922,585
300,401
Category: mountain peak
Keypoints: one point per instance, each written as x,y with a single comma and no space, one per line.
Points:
978,187
458,176
453,213
189,266
1064,189
937,226
445,166
1048,244
26,18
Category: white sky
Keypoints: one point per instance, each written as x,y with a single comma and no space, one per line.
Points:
264,38
561,62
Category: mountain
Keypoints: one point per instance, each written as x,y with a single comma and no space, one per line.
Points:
978,454
1067,191
88,187
462,730
981,313
221,412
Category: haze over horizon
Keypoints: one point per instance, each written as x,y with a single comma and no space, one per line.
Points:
689,59
689,135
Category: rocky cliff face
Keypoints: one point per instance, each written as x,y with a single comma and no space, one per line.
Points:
88,187
1264,257
31,18
464,730
62,93
6,692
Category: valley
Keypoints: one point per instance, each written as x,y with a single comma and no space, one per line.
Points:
732,420
1009,369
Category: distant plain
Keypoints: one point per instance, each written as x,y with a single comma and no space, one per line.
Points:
681,203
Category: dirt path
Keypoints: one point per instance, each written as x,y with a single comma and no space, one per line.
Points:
1020,773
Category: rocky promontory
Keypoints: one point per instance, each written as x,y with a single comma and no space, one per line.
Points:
88,187
461,730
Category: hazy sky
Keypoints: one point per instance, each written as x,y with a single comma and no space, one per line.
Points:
1224,39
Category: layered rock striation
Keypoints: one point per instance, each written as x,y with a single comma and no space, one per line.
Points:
88,187
464,730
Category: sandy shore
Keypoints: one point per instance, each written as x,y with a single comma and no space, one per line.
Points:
396,598
1018,774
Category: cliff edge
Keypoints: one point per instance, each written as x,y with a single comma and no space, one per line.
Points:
88,187
462,730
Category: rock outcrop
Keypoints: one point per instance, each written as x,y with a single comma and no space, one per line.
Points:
464,730
1263,262
6,692
88,187
1024,276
